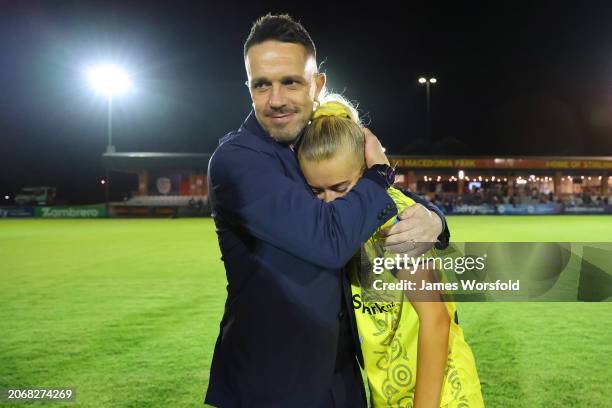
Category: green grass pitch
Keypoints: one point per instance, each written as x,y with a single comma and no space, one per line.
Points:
127,312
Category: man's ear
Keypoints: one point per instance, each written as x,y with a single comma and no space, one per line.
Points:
247,83
320,81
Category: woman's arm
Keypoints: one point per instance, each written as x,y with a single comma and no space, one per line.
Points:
434,327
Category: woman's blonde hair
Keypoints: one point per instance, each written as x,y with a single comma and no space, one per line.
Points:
335,126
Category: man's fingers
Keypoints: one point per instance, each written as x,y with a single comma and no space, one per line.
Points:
399,227
410,211
402,237
374,153
416,225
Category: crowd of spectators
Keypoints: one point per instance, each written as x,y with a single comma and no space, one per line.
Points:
502,195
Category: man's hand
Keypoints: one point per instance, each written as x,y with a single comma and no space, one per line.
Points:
374,153
415,233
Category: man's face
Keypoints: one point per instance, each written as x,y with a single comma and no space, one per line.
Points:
284,83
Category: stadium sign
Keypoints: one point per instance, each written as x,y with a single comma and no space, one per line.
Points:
19,212
523,209
86,211
575,163
143,211
482,209
585,210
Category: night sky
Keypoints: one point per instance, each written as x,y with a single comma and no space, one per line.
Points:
512,80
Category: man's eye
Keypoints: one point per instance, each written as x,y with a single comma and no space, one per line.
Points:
340,189
260,85
291,83
315,191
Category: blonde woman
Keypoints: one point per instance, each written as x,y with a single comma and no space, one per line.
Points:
414,351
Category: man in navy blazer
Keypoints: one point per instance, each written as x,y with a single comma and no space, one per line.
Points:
286,338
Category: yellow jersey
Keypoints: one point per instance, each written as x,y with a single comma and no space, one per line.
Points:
388,333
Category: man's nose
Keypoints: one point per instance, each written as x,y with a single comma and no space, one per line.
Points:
331,196
277,97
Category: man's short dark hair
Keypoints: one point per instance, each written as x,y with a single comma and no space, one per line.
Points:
280,27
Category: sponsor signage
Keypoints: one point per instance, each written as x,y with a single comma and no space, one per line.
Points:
16,212
473,209
83,211
529,209
524,209
585,210
142,211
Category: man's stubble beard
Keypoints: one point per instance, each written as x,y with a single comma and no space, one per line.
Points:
288,135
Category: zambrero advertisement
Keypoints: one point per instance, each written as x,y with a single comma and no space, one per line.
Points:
82,211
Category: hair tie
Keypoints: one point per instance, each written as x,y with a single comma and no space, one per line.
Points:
332,108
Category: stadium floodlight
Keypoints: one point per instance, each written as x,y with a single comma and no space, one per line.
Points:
422,80
433,80
109,79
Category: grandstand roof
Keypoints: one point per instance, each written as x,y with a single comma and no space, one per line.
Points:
136,161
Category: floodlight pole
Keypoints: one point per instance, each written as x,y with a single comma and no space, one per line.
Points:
428,99
427,82
109,149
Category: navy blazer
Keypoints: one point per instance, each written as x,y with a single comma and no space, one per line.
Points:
283,250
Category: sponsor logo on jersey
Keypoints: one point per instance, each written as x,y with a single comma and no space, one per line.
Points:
373,308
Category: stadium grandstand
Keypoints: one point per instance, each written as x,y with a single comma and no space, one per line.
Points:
175,184
510,185
169,184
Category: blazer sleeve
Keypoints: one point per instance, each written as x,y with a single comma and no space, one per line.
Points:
444,237
250,190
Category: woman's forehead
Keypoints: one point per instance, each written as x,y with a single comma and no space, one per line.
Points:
342,167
